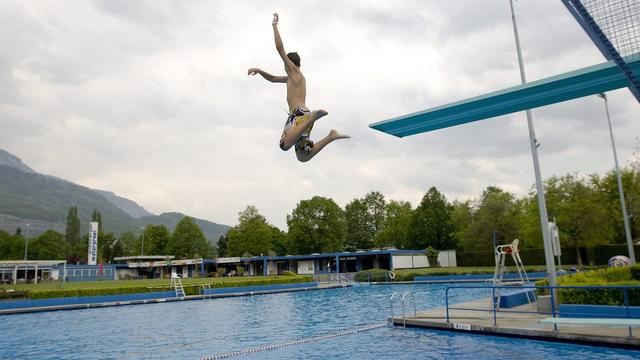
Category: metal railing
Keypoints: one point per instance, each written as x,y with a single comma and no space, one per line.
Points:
552,290
402,296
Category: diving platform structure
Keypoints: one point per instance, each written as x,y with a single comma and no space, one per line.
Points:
572,85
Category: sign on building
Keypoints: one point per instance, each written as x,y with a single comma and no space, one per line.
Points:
92,252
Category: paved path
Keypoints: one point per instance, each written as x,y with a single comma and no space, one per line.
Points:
510,322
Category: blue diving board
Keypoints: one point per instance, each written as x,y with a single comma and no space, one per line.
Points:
578,83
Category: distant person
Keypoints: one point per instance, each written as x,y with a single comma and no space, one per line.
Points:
297,128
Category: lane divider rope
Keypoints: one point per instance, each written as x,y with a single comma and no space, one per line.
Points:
296,342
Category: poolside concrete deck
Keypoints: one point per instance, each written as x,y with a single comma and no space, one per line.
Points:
512,324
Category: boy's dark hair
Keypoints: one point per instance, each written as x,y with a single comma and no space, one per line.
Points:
294,57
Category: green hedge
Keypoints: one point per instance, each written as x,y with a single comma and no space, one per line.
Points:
375,275
616,276
190,289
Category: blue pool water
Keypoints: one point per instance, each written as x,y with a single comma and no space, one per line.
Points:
196,329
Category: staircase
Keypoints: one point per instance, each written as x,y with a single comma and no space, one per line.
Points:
176,284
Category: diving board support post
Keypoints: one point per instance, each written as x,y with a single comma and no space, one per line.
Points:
533,143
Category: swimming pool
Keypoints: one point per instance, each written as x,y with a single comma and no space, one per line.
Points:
196,329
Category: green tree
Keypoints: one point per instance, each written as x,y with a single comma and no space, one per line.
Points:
315,225
608,186
252,235
222,245
278,241
11,246
97,217
581,214
156,238
72,232
127,242
358,227
188,241
462,216
497,210
431,223
51,245
106,244
364,220
395,229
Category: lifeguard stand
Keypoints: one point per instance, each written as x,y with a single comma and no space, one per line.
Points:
501,253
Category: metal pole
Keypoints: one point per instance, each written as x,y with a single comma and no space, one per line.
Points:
142,249
544,220
26,243
625,217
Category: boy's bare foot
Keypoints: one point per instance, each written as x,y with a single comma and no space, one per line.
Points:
317,114
335,135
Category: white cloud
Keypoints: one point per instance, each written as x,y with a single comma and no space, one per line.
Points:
150,99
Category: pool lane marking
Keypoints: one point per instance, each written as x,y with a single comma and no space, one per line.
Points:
296,342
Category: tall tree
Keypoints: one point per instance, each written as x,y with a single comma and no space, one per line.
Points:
97,217
497,210
156,238
581,214
315,225
48,246
608,186
251,236
365,219
222,245
462,216
431,223
72,232
11,246
358,226
395,229
188,241
128,243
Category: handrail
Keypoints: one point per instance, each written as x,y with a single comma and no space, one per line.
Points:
391,303
552,292
204,287
404,320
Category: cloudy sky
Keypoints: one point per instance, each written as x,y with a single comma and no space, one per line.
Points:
151,99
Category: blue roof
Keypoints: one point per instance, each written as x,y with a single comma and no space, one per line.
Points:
327,255
583,82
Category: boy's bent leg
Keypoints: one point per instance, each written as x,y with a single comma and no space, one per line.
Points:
305,156
296,131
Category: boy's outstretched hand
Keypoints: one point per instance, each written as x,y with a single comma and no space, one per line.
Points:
275,19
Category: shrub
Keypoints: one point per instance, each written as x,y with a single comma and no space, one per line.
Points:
376,275
620,276
432,256
635,272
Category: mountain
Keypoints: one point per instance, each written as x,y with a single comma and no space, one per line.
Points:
9,160
211,230
42,202
130,207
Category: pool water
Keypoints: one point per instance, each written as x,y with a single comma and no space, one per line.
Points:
202,328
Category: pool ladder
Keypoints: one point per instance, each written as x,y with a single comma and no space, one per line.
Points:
402,296
203,291
176,284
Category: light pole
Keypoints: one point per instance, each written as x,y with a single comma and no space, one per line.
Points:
542,205
142,249
625,218
26,242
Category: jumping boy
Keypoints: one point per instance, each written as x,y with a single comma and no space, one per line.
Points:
298,127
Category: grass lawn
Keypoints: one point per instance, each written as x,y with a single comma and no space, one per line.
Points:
191,285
